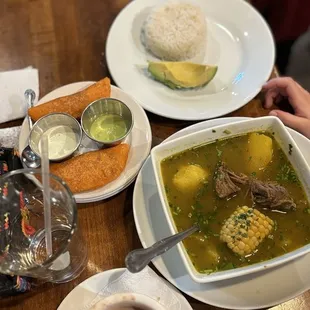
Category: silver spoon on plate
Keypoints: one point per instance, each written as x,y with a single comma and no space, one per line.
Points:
138,259
29,158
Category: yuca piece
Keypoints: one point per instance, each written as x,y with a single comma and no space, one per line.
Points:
73,104
245,229
92,170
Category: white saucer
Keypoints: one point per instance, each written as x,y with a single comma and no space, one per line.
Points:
84,294
234,43
140,141
255,291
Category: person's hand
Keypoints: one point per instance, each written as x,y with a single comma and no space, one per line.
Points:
279,88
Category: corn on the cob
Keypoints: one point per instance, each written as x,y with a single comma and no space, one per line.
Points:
245,229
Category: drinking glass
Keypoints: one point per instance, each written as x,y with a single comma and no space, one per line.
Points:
22,229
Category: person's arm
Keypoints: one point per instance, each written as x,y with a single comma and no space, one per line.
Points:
299,99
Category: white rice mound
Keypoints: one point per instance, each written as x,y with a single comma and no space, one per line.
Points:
175,31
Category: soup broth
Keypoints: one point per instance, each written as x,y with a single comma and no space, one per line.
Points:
193,199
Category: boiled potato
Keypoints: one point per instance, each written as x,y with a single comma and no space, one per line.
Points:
188,178
259,152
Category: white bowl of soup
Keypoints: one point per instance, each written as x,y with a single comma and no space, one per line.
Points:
246,185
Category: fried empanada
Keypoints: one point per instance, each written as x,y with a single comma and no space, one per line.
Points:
92,170
73,104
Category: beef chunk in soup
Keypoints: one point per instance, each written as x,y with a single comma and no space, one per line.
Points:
226,181
271,195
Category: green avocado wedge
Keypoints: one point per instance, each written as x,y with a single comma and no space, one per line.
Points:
182,74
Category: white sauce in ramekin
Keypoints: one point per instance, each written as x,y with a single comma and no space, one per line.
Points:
62,141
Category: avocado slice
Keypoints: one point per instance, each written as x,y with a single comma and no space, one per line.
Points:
182,74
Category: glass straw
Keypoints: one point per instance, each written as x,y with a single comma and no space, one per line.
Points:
46,193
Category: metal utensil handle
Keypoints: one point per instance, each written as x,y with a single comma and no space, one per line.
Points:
138,259
30,96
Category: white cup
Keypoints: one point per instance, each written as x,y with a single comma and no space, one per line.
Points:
128,301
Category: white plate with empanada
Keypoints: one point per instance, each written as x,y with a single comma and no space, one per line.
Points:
140,140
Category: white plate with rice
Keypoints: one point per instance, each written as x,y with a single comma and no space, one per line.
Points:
230,34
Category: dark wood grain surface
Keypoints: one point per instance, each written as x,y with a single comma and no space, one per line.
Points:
65,40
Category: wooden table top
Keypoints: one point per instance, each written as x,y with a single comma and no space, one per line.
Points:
65,40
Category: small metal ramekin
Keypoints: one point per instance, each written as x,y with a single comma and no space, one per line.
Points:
53,120
106,106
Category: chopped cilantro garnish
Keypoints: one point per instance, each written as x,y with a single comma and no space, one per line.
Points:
203,219
242,216
284,249
176,210
202,190
290,148
198,205
206,271
167,189
227,266
287,174
219,152
307,210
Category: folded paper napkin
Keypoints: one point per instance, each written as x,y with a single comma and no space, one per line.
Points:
9,137
13,85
